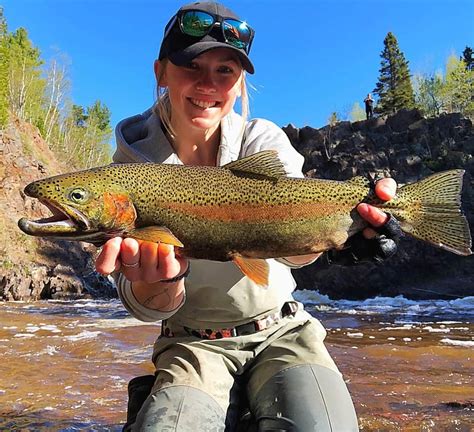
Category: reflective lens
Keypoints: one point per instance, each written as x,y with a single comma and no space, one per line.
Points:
196,23
237,33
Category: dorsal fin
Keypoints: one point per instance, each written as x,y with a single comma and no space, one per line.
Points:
266,163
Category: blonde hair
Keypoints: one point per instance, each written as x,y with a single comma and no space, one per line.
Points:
162,106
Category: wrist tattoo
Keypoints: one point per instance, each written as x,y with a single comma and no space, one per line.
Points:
152,298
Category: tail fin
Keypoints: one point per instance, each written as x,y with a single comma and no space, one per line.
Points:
430,210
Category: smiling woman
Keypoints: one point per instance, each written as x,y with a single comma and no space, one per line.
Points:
219,325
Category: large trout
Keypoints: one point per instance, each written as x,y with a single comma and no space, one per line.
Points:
246,211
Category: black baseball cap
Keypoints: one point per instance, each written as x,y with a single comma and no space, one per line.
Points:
181,48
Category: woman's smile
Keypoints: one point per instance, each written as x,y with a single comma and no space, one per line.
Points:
204,104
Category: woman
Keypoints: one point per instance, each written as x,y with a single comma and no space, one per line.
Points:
224,339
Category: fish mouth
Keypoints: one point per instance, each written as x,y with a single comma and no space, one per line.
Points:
65,221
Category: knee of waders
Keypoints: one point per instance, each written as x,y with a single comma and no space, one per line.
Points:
139,388
180,408
305,398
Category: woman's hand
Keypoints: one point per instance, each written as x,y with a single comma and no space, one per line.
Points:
146,265
378,241
385,189
140,260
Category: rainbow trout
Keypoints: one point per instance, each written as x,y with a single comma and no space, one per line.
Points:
245,211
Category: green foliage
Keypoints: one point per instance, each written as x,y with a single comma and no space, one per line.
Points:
429,94
78,116
39,93
25,84
3,72
448,93
357,113
394,87
467,56
333,119
458,90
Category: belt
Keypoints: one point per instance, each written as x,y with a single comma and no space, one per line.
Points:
288,309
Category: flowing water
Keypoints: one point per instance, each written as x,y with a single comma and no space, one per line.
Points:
409,365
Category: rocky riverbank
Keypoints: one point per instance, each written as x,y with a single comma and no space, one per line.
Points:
405,146
32,268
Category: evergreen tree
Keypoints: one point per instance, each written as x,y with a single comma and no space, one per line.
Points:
79,117
468,59
99,115
394,87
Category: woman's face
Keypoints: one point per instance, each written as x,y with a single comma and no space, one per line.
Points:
204,91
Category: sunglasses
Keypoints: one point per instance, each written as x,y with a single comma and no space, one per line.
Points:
198,24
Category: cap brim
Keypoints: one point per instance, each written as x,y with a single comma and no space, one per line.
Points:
183,57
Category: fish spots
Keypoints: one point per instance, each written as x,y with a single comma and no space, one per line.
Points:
235,212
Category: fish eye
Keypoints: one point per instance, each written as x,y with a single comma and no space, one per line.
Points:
78,195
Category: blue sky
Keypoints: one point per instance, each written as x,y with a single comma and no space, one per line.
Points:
311,57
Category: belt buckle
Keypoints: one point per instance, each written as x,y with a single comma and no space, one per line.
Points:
245,329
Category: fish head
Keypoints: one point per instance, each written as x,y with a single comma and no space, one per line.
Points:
84,208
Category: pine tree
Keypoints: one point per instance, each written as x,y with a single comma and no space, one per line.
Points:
468,59
394,87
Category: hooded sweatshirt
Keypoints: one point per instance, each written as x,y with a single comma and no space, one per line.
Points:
218,294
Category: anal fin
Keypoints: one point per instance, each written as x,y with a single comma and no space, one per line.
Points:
155,234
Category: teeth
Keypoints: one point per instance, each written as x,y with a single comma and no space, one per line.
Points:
203,104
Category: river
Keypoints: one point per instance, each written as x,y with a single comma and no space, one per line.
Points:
409,365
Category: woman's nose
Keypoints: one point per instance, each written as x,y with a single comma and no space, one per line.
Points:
206,82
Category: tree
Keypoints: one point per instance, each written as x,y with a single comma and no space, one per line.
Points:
99,115
468,59
78,116
39,94
333,119
429,94
458,90
3,71
357,113
25,86
57,88
394,87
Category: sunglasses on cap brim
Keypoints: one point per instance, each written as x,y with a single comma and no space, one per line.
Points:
197,23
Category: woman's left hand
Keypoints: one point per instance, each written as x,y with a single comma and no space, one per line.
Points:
385,189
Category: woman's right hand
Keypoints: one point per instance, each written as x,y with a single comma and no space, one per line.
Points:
140,261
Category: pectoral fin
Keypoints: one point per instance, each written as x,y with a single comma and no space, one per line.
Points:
155,234
255,269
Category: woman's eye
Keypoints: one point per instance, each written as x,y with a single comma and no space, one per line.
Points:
225,69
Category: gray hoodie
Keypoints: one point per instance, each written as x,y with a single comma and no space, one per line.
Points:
218,295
